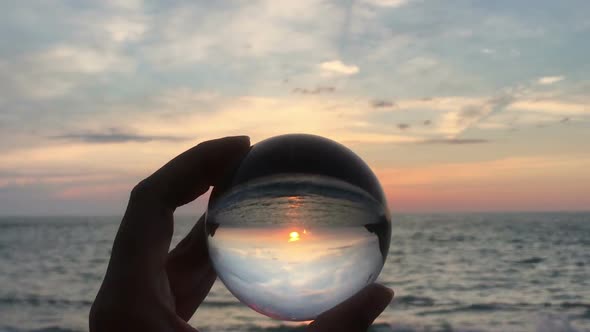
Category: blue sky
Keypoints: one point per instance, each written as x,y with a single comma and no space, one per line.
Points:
456,105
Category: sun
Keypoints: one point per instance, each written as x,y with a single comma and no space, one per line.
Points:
294,236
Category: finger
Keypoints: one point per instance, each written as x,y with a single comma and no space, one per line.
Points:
190,272
190,174
144,236
355,314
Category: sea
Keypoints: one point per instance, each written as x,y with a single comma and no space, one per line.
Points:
450,272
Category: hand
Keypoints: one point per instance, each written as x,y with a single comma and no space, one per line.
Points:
146,288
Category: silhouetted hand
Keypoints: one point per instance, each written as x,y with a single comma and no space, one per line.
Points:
146,288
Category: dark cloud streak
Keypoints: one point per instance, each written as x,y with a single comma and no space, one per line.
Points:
114,135
454,141
316,91
472,114
380,103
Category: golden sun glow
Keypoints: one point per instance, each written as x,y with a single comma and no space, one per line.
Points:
294,236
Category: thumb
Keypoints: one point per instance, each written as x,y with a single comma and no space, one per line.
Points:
355,314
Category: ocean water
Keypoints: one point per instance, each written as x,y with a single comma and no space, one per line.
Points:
451,272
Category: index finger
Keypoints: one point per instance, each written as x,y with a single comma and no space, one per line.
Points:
143,239
191,173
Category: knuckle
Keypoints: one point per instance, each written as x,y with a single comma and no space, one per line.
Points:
141,191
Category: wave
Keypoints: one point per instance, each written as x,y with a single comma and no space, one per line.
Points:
39,301
476,307
532,260
44,329
568,305
543,324
412,300
497,306
54,329
221,304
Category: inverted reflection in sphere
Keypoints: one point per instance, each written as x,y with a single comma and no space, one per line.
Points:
301,227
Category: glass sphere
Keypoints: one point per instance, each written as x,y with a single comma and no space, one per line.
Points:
301,226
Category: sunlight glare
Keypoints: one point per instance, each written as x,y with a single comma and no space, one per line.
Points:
294,236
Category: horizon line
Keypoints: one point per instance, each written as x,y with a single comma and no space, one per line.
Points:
74,215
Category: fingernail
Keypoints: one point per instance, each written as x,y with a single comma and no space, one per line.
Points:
391,292
385,293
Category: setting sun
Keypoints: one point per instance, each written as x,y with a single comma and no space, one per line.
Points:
294,236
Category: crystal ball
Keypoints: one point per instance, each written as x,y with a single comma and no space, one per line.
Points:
300,226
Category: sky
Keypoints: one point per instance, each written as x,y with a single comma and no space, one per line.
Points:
456,105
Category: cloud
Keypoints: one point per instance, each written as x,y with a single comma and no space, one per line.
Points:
338,67
56,71
126,5
512,119
198,115
387,3
114,135
190,33
492,125
455,122
548,80
125,29
76,59
551,107
371,138
471,112
443,103
381,103
316,91
419,65
454,141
